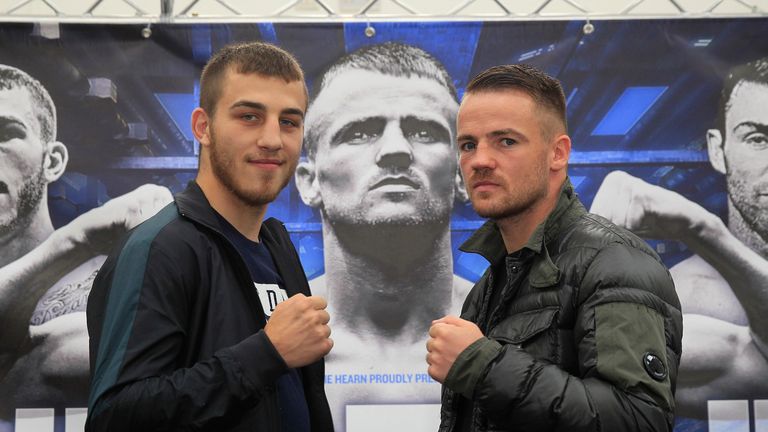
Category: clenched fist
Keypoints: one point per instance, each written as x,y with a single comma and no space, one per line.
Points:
99,228
647,210
298,329
449,336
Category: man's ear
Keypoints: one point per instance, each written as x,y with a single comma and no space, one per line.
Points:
55,161
561,152
459,188
715,150
306,183
201,126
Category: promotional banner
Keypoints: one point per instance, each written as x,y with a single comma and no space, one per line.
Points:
669,122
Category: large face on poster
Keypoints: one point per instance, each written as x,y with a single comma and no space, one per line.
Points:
668,121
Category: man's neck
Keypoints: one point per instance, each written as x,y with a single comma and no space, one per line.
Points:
245,218
516,230
389,281
746,234
26,237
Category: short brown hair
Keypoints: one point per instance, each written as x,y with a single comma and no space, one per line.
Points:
542,88
247,58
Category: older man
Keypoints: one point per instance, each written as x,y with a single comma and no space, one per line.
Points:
381,168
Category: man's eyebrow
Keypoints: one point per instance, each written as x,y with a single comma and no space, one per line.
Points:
491,134
502,132
294,111
248,104
751,124
261,107
12,119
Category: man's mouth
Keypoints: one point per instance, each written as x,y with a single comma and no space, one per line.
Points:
482,183
266,162
395,182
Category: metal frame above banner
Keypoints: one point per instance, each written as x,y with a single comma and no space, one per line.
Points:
185,11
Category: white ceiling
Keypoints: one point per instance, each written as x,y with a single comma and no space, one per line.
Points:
314,10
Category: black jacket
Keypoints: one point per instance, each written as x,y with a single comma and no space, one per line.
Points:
586,335
176,330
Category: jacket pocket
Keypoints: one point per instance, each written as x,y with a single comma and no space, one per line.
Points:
523,327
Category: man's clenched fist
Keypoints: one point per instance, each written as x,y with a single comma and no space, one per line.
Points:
449,336
298,329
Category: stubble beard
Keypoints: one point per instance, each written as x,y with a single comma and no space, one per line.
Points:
755,217
222,165
517,201
30,197
432,211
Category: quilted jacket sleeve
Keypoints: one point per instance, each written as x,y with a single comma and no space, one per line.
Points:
627,335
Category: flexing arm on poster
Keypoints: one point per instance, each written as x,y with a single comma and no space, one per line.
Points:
724,286
45,275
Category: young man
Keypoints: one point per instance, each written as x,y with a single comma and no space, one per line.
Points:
381,168
184,329
46,274
723,287
576,325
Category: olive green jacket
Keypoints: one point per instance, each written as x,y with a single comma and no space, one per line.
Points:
586,335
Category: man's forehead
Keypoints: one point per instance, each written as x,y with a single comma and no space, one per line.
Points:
234,82
16,102
748,100
358,93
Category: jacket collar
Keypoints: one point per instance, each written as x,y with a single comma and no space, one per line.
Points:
487,241
193,204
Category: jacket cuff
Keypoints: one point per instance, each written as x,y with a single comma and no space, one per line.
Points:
470,365
259,362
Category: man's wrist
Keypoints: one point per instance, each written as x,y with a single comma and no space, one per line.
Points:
708,228
471,365
70,239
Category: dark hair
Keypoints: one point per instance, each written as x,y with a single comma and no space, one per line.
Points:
247,58
390,58
755,71
542,88
45,111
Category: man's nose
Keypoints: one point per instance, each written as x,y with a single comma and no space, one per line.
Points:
271,137
394,147
482,158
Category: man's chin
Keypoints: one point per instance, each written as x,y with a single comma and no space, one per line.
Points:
257,199
388,219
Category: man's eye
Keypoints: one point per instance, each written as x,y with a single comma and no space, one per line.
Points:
360,132
467,146
8,133
248,117
358,136
422,136
289,123
757,140
424,131
508,142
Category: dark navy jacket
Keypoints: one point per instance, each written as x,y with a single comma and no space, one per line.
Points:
176,330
